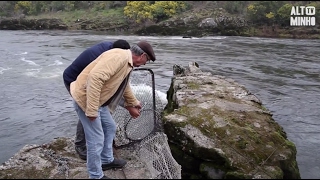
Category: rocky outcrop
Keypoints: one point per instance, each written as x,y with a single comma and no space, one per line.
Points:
217,129
99,24
58,160
32,24
215,22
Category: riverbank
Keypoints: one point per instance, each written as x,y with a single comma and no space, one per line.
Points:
287,33
192,24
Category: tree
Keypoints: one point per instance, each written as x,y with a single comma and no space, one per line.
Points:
23,7
138,11
235,7
141,11
316,4
263,12
7,7
283,14
37,7
256,13
165,9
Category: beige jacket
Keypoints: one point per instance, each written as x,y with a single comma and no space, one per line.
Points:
100,80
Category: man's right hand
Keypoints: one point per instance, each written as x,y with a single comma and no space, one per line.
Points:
134,112
139,106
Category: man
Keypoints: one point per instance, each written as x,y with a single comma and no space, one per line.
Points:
102,83
71,73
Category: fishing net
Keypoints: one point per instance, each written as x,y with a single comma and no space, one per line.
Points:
145,133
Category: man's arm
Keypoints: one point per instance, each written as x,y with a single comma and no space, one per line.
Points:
129,97
131,103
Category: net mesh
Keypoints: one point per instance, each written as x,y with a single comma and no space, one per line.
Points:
155,152
130,130
145,133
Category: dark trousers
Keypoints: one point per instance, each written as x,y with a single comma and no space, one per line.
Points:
80,140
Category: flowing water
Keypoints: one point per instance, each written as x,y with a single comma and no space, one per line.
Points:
283,73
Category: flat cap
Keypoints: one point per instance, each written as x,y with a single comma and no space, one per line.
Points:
146,47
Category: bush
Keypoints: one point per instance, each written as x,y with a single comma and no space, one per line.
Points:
141,11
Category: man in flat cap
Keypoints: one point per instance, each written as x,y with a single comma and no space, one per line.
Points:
96,93
71,73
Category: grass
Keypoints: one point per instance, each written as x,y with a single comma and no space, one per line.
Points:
113,15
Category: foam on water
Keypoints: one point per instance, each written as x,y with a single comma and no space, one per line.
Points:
2,69
162,96
142,89
44,73
56,63
32,72
50,75
214,37
23,53
29,62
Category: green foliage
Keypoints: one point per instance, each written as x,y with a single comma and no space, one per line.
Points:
263,12
141,11
117,4
37,7
275,12
166,9
138,10
56,6
23,7
235,7
256,12
101,5
7,8
270,15
188,5
69,17
316,4
283,14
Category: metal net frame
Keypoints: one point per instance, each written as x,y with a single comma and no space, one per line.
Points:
145,134
131,130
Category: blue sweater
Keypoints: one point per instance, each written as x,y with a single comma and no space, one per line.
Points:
71,73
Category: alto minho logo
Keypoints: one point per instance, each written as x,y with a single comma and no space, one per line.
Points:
303,16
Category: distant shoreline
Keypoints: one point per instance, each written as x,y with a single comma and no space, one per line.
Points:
284,36
125,29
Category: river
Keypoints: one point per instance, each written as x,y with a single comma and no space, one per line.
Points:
283,73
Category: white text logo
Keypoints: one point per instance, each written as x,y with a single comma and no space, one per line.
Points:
303,16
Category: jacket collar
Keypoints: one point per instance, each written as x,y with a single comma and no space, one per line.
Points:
130,57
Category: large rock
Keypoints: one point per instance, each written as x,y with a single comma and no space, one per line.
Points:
218,129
